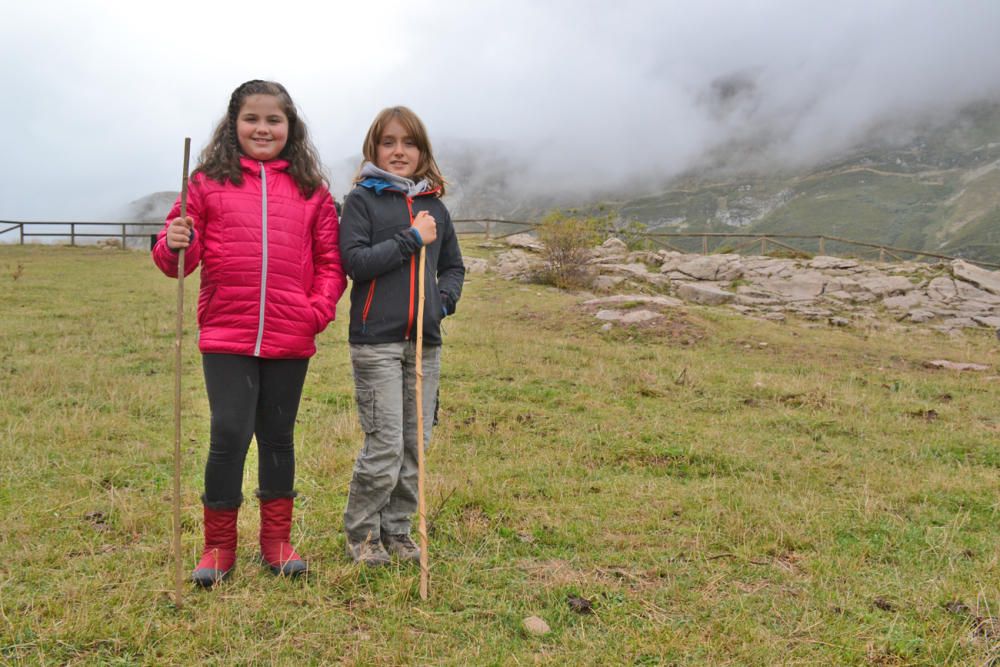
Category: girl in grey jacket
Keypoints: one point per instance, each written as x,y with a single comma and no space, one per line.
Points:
394,210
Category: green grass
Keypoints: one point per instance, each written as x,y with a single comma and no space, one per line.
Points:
724,490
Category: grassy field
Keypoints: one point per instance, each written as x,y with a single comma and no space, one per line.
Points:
724,491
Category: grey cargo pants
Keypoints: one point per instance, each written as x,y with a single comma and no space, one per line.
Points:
383,493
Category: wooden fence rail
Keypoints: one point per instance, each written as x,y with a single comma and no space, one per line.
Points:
493,229
76,230
752,239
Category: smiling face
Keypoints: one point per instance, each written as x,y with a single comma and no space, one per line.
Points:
396,151
262,127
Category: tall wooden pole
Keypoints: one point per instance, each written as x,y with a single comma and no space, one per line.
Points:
421,505
178,576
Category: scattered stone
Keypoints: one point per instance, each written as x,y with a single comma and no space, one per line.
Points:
637,271
636,316
476,265
887,285
708,267
839,321
987,280
628,317
959,322
905,302
666,301
517,264
607,283
838,296
971,293
750,300
612,248
942,289
955,365
526,241
536,626
920,316
804,286
808,313
823,262
642,256
708,295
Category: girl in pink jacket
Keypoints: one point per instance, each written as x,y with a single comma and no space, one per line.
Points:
262,225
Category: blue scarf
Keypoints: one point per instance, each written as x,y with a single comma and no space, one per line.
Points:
378,180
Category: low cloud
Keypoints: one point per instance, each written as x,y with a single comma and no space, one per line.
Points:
575,97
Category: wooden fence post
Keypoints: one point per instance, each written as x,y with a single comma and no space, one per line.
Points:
881,254
704,245
20,229
123,236
763,246
72,234
822,247
488,223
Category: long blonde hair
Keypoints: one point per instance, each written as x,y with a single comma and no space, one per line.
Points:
427,167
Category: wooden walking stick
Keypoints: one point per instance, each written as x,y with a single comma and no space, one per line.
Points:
178,577
421,506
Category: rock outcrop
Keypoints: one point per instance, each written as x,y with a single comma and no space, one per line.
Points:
948,296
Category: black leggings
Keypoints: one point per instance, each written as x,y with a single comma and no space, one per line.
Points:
249,397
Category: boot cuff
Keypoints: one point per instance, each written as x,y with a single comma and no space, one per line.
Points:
272,495
222,504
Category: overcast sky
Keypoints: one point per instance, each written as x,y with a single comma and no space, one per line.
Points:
98,96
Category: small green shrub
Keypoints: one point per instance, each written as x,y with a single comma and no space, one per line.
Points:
631,232
567,240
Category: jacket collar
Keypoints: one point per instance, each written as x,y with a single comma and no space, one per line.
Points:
253,166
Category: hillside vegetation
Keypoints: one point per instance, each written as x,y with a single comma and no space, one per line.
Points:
719,489
938,191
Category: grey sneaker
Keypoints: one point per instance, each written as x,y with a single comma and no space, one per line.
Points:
402,546
368,552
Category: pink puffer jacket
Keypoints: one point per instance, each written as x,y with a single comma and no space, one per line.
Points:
270,263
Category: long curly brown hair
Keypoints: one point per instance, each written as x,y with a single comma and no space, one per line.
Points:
220,159
427,166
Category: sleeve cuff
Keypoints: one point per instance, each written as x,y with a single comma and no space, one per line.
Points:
417,236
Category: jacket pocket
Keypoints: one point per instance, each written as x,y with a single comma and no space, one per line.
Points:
367,413
204,303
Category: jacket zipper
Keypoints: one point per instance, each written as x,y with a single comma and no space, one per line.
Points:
263,263
368,307
413,269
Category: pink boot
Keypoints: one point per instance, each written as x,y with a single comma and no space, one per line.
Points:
275,533
219,556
